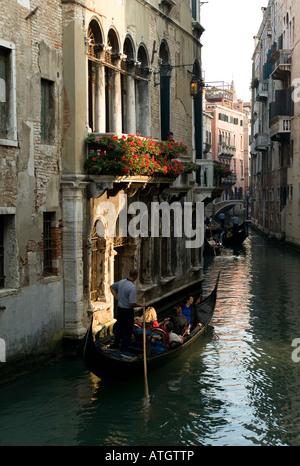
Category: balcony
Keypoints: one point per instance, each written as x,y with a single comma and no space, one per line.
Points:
261,142
113,160
281,60
206,186
280,126
253,150
262,91
225,151
168,3
280,113
229,180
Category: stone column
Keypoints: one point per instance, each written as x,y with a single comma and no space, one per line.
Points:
100,100
131,110
73,199
117,104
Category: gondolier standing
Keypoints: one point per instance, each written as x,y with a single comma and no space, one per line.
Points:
235,224
124,292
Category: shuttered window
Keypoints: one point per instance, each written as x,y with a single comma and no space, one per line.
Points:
3,92
47,111
48,217
194,9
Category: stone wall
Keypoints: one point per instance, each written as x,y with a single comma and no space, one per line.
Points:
31,301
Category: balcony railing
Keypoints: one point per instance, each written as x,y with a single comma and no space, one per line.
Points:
283,104
261,142
262,91
225,150
206,172
280,125
229,180
281,60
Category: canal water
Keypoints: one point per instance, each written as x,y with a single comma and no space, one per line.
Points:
239,386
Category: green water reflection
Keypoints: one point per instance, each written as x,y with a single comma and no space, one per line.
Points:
238,386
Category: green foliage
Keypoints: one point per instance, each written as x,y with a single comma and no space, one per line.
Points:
222,171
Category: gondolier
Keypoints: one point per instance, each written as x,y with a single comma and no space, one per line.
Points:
235,222
124,292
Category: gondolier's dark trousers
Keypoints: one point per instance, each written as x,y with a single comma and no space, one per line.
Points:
124,326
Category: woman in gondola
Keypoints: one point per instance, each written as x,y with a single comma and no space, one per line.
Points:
179,321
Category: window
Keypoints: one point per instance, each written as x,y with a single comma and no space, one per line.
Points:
8,252
8,130
47,111
194,6
47,241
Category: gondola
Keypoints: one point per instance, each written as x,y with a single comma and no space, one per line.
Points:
212,241
230,239
211,248
105,362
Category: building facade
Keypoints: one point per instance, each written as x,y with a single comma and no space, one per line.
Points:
230,137
275,123
31,94
72,71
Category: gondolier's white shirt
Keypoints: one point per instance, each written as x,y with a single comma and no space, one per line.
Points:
126,292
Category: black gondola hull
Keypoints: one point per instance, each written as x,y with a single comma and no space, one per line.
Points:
235,239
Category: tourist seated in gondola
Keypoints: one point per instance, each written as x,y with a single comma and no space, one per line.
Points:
157,336
151,317
179,321
174,339
198,314
188,310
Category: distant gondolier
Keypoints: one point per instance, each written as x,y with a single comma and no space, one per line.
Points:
235,221
221,217
124,292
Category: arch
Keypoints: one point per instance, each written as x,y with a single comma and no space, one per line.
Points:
95,81
98,263
165,78
94,38
113,107
129,48
143,55
113,42
164,53
128,92
197,69
143,109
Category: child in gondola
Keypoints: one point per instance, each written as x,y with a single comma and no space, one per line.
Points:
173,337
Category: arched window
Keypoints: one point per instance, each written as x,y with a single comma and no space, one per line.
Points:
128,87
142,92
197,102
165,77
95,82
113,108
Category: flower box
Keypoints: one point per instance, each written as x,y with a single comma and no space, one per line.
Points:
130,155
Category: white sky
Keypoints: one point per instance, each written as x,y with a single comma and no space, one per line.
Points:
228,42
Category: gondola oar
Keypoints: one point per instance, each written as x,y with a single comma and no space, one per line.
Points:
214,247
145,357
